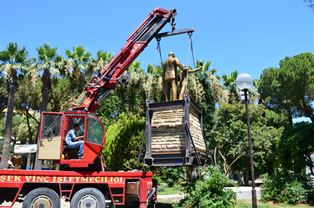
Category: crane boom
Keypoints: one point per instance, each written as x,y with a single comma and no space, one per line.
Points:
55,126
99,86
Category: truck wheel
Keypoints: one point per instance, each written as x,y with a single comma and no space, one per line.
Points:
42,198
88,198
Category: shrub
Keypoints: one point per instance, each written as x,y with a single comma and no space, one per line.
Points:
124,139
283,190
209,191
170,175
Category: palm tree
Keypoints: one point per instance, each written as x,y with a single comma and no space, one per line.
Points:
97,64
229,82
104,56
12,60
78,58
47,56
3,92
94,65
46,66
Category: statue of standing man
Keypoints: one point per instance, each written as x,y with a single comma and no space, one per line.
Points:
183,78
170,76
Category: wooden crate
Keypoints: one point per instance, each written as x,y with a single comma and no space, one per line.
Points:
174,134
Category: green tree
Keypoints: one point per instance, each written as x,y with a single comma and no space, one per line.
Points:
127,97
133,96
296,147
3,92
104,57
93,66
290,88
123,143
229,82
97,64
153,86
62,94
13,59
204,87
209,191
77,67
29,93
46,65
29,88
229,140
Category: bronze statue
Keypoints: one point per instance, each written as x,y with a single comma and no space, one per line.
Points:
170,76
184,79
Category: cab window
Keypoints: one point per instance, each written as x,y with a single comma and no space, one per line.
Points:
95,131
51,126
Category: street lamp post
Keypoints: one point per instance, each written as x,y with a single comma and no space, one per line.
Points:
245,82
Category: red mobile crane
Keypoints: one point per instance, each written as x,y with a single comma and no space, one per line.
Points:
83,182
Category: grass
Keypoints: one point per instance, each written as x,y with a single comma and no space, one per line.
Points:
248,204
164,205
164,189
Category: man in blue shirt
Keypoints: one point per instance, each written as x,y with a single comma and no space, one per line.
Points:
72,141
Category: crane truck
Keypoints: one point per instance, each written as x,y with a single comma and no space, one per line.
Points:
83,181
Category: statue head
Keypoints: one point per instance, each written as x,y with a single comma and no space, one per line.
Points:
171,54
200,63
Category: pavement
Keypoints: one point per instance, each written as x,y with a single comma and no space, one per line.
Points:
19,205
245,192
170,198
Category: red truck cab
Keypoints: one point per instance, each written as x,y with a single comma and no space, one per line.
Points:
55,127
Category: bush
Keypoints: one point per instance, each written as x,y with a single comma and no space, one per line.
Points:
170,175
209,191
283,190
124,139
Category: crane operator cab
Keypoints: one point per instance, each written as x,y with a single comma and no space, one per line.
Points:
71,138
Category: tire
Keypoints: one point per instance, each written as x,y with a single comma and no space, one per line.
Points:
88,197
43,198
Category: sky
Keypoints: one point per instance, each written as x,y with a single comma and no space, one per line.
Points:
247,36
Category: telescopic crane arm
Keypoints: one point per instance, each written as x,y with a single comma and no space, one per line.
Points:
100,86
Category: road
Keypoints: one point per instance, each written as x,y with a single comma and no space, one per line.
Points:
19,205
243,193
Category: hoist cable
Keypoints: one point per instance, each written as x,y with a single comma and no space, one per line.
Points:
191,48
159,50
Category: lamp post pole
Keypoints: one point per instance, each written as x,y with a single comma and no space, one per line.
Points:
245,82
246,100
